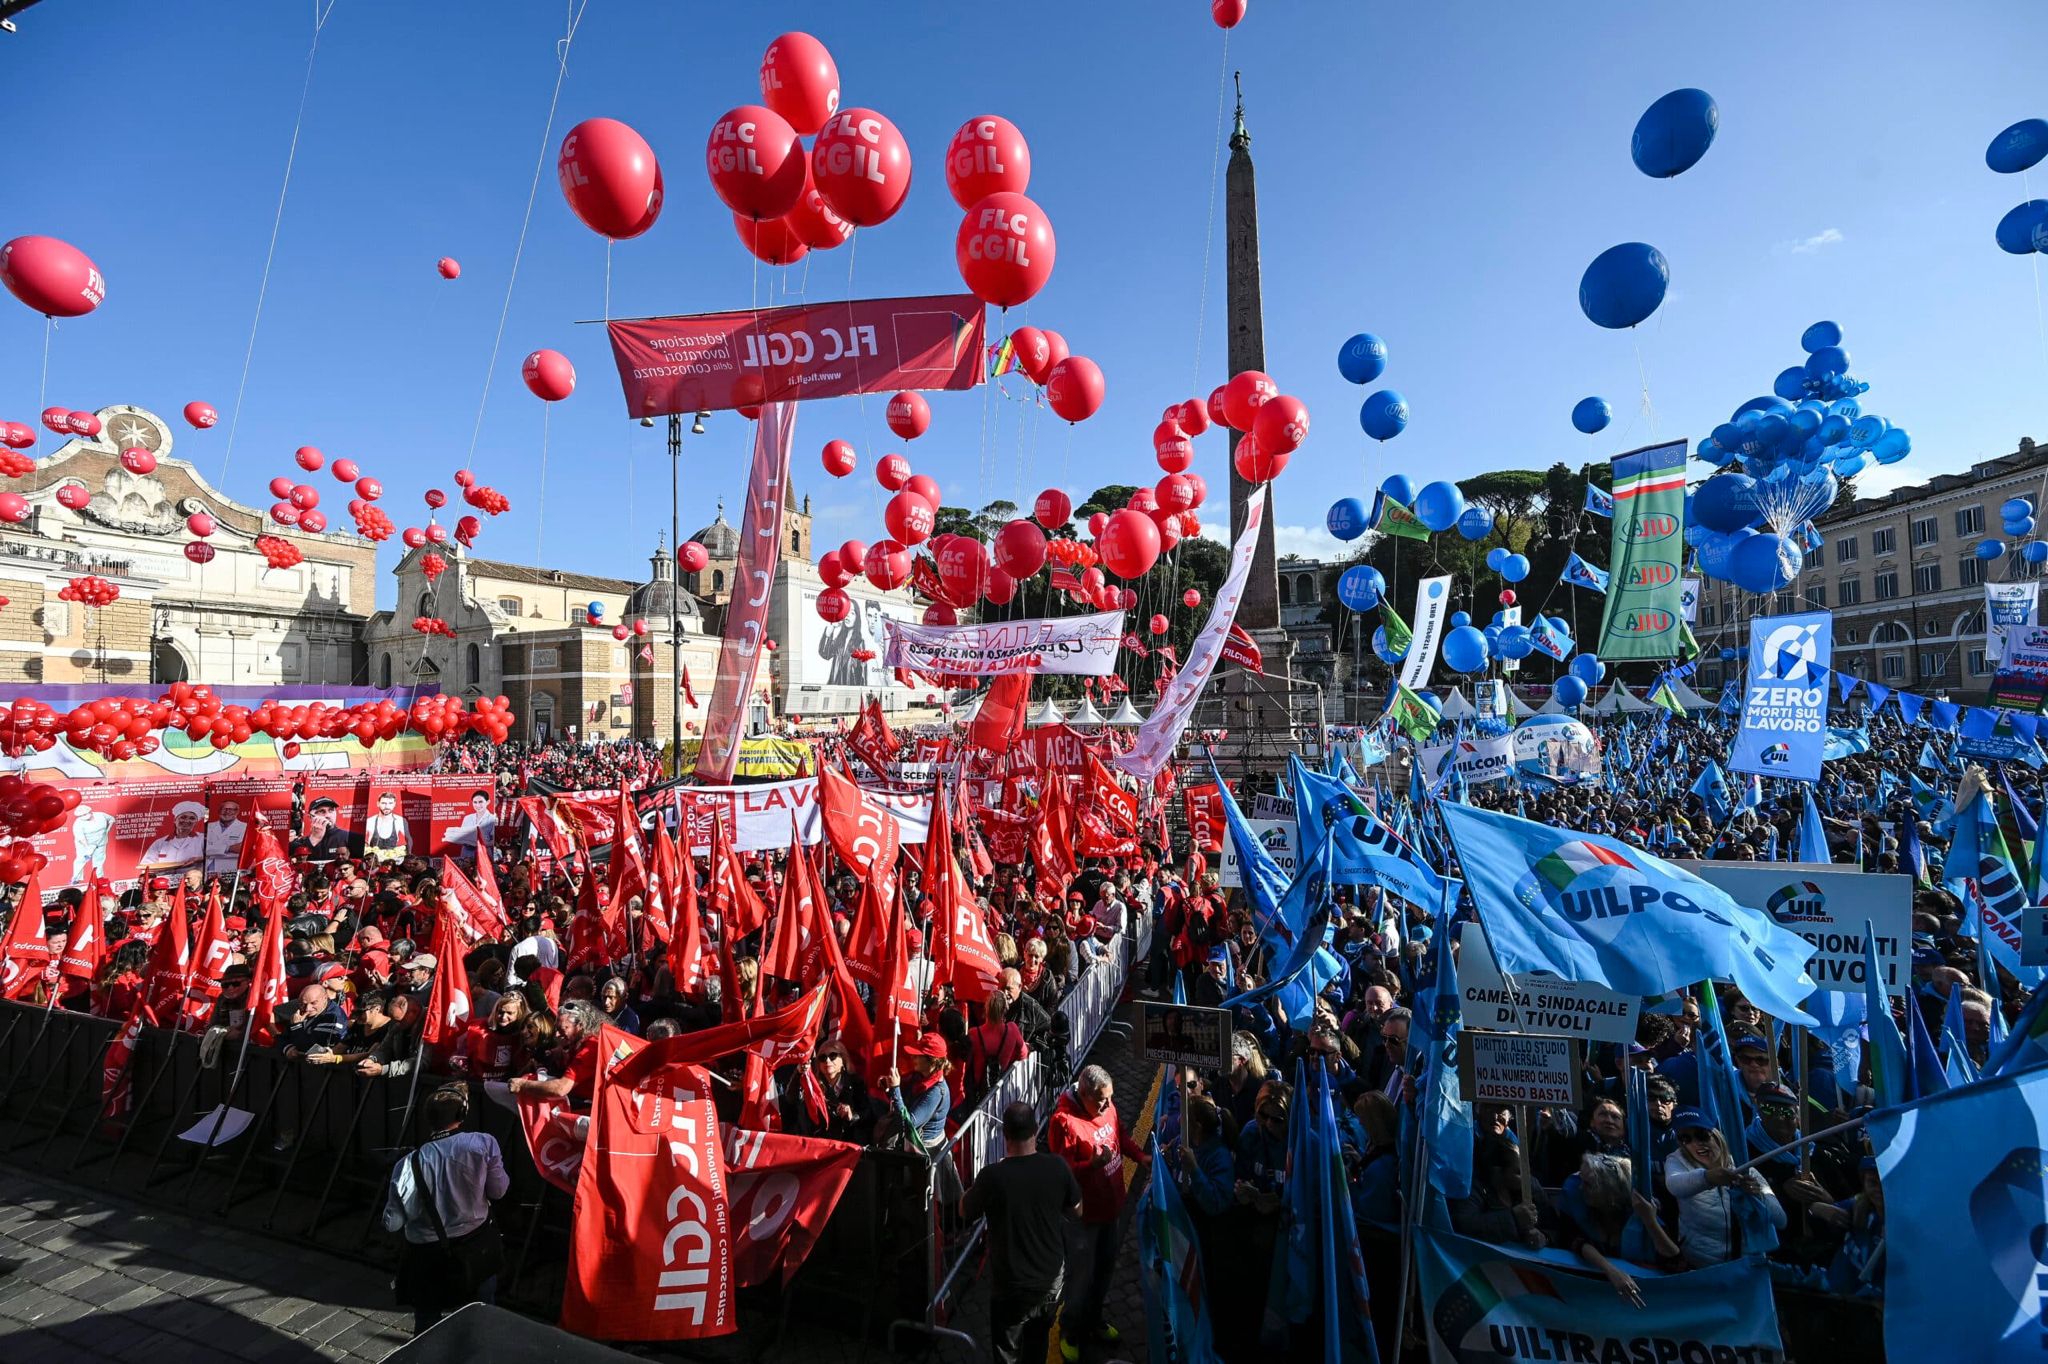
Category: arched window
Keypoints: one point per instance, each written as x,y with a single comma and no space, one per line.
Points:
426,604
796,541
1890,632
1287,591
718,580
384,672
476,666
1972,624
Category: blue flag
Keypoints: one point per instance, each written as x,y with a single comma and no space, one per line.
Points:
1923,1060
2026,1046
1587,907
1170,1272
1910,706
1446,1119
1813,835
1579,573
1891,1080
1965,1284
1291,1284
1928,761
1955,1042
1347,1301
1980,872
1879,694
1599,502
1712,789
1912,858
1844,742
1300,928
1364,850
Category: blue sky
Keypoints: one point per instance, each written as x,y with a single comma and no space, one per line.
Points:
1438,174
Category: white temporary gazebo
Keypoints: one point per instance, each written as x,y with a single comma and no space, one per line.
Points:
1087,717
1126,716
1456,707
1517,707
1047,714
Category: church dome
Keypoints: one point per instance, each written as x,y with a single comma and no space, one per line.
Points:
719,539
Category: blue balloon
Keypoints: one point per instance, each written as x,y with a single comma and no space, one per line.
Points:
1763,406
1820,336
1460,618
1430,699
1379,648
1517,642
1346,519
1360,587
1674,133
1475,523
1591,415
1717,556
1384,414
596,609
1496,556
1588,669
2035,552
1439,505
1790,383
1362,359
1987,550
1866,429
1850,467
2024,228
1514,568
1765,563
2021,528
1465,650
1624,285
1397,487
2019,147
2016,507
1725,503
1727,655
1569,691
1893,446
1827,360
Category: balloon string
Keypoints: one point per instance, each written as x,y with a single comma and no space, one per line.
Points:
43,390
320,17
608,245
2034,259
1209,232
547,135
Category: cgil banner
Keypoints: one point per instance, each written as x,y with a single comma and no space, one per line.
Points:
1785,701
716,361
2008,608
753,587
762,816
1075,646
1829,909
1486,1303
1432,607
1644,614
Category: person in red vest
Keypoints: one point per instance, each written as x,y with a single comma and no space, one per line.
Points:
1088,1133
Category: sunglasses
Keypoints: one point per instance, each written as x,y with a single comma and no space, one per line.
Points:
1690,1137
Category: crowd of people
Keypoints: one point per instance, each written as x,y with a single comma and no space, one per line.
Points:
357,951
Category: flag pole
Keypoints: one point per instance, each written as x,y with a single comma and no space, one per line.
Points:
1411,1208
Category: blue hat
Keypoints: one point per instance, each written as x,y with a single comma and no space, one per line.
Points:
1688,1118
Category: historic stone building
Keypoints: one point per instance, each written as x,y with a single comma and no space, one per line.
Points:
235,620
712,584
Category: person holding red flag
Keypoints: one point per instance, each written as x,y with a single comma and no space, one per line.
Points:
25,950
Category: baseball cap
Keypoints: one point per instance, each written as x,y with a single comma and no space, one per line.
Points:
929,1044
1750,1041
1690,1119
1775,1093
426,959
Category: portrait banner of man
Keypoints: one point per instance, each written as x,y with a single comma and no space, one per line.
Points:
236,808
334,816
399,822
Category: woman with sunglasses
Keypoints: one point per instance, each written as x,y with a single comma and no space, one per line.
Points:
1714,1199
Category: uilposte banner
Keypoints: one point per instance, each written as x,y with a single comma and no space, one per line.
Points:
715,361
1156,739
1076,646
753,581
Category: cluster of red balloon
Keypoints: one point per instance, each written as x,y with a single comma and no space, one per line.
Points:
1073,383
1273,425
622,632
433,625
1004,247
15,464
53,277
29,808
432,566
90,589
277,551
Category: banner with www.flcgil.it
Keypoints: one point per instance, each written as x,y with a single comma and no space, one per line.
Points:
1785,700
1645,596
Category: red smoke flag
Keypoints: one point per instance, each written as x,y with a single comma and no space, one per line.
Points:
268,987
25,951
962,953
86,948
448,997
651,1241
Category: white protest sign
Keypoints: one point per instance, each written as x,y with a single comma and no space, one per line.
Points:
1829,910
1536,1003
1479,760
1277,836
1515,1068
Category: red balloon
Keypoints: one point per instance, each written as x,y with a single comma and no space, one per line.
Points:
309,458
1174,493
449,267
53,277
1246,392
853,557
1000,589
610,177
413,537
1191,598
201,415
437,535
861,165
17,437
369,489
1193,417
1215,406
619,632
1173,449
550,375
1201,486
58,419
304,496
813,220
1159,625
284,513
1052,509
774,241
201,524
926,487
839,458
345,470
1169,529
692,556
1095,524
963,567
987,156
464,479
831,571
1142,500
892,472
1092,581
1020,549
1130,544
199,552
1004,249
833,605
800,81
1507,596
1256,464
1033,353
1227,13
910,416
82,423
887,564
137,460
1281,424
1056,350
281,487
435,498
908,517
313,522
73,495
1074,388
941,613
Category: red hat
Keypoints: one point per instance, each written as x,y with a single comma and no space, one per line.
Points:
159,883
926,1044
912,938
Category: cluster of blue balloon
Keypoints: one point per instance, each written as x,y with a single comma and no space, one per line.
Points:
2017,517
1362,359
1584,674
1794,448
2021,147
1511,566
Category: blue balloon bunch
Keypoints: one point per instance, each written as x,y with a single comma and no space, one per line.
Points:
2024,229
2016,518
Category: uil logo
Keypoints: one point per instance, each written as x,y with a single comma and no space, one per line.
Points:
1799,902
1645,622
1657,526
1651,575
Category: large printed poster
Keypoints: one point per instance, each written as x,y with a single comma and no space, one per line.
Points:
833,650
2008,609
1785,700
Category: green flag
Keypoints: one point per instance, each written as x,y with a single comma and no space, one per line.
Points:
1391,517
1399,636
1644,612
1666,698
1412,714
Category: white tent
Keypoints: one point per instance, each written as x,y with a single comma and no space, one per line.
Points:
1456,707
1608,704
1087,717
1620,699
1126,716
1048,714
1519,708
1689,698
1552,707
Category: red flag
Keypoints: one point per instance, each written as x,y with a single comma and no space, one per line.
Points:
476,917
689,693
664,891
168,974
267,986
628,867
854,1028
788,1027
1054,841
268,870
1116,805
1001,716
796,954
210,952
740,911
865,836
1242,649
872,740
448,997
85,949
651,1245
686,948
782,1190
1204,808
790,1044
962,952
25,951
487,887
116,1090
